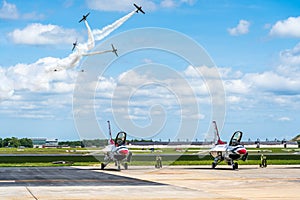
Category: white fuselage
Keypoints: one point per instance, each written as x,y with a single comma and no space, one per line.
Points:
226,152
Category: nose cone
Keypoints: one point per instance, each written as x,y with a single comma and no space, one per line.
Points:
123,151
242,151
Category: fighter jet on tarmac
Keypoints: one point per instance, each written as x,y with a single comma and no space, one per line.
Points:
139,8
84,17
228,152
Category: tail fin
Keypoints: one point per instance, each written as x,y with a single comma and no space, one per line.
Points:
111,141
217,138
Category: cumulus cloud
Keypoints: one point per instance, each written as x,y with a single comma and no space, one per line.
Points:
116,5
286,28
39,34
9,11
175,3
127,5
241,29
291,57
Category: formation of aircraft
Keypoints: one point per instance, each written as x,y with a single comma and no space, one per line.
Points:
228,152
116,151
84,17
138,8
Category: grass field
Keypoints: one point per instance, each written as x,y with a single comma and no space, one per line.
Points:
188,156
42,160
141,150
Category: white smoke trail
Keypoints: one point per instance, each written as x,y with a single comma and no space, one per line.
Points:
73,59
100,34
90,44
82,49
95,53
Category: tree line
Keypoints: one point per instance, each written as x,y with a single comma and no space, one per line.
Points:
15,142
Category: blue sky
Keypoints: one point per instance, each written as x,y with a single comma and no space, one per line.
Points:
254,44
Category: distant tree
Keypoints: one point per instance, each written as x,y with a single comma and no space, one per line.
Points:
5,142
14,142
26,142
1,142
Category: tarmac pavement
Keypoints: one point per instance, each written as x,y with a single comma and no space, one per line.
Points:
146,182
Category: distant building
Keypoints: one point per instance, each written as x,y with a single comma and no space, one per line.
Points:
38,142
44,142
51,143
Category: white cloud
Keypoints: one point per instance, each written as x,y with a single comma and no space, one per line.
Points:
241,29
168,4
286,28
291,57
9,11
175,3
116,5
127,5
284,119
39,34
6,86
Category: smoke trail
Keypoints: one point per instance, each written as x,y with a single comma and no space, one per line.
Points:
82,49
73,59
100,34
95,53
90,44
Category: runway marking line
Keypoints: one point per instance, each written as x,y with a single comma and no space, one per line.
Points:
7,181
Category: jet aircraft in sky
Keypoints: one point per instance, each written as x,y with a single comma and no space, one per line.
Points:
139,8
84,17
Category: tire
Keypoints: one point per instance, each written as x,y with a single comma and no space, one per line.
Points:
213,165
102,165
236,165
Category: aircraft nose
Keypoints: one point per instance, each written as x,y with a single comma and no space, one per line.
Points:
242,151
123,151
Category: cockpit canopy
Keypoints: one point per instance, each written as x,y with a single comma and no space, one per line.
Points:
120,139
236,138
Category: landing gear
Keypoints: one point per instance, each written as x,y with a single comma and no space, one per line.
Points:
235,166
213,165
103,165
129,157
125,166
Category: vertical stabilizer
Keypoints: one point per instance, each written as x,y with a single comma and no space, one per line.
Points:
111,141
217,136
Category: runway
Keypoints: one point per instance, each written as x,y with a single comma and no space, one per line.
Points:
146,182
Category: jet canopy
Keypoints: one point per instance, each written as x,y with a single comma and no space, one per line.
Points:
236,138
120,139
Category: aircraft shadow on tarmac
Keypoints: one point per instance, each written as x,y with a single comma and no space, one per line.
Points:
220,168
64,176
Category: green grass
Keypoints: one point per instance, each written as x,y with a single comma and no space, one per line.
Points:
148,163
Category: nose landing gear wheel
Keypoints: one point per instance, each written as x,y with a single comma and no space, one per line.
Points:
235,166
